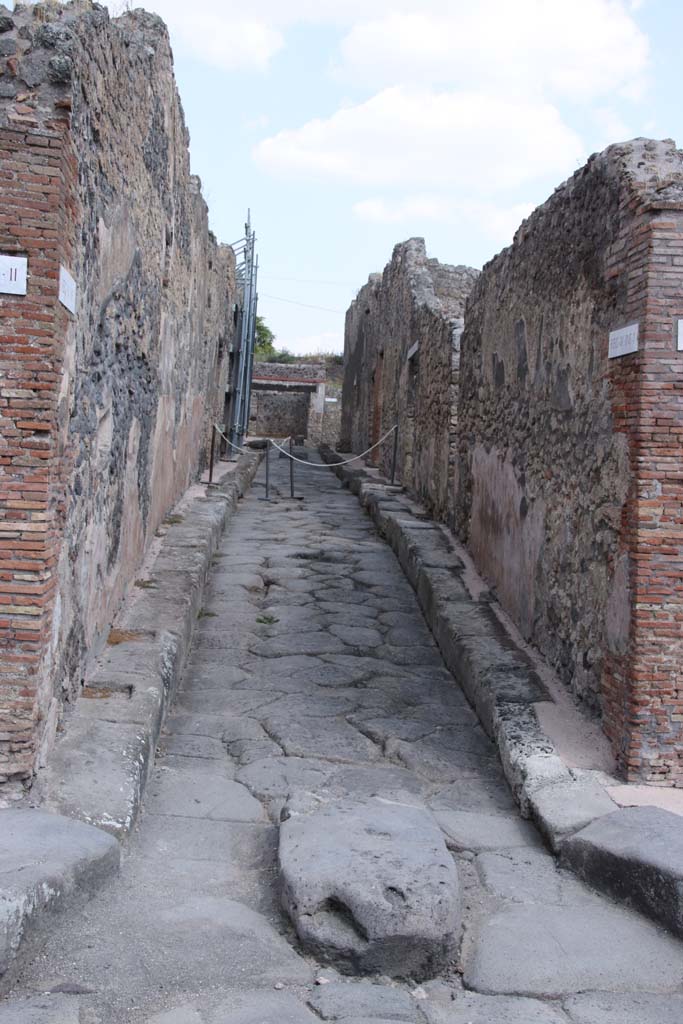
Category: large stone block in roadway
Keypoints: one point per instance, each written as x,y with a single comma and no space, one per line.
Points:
555,951
370,885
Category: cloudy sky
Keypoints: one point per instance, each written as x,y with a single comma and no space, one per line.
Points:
349,125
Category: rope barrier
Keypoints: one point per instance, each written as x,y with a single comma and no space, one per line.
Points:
305,462
344,462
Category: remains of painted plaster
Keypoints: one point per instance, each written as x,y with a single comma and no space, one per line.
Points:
401,355
113,364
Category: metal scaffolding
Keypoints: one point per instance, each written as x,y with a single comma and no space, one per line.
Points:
247,276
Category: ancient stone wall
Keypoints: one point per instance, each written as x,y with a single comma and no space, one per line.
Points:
569,482
401,357
332,416
279,413
288,399
105,410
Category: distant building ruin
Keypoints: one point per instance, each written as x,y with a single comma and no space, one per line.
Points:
294,400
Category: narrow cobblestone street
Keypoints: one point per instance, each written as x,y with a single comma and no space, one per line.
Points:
314,684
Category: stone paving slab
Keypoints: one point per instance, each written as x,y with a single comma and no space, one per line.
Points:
341,1000
632,1008
47,1009
477,831
473,1008
552,951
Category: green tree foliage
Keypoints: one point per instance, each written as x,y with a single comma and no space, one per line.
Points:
264,348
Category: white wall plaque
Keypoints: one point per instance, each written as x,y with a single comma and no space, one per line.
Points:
679,339
13,272
623,342
67,290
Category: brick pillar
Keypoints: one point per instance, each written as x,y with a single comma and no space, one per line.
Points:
643,682
37,186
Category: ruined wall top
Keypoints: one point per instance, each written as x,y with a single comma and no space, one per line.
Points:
440,287
648,170
294,372
41,47
49,61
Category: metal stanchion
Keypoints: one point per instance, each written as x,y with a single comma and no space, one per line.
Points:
213,452
394,457
291,469
267,469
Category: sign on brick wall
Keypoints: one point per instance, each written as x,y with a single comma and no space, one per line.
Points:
13,273
623,342
67,290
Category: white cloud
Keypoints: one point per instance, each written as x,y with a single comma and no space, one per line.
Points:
575,50
418,137
498,223
238,37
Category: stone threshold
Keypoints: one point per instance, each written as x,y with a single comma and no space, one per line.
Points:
54,850
632,854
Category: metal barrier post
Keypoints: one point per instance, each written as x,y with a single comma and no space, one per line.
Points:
291,470
395,456
213,452
267,469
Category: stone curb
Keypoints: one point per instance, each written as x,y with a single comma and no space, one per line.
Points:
568,807
46,861
98,769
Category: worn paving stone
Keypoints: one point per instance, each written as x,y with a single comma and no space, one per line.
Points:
233,843
186,1014
472,1008
357,636
44,1009
553,951
370,885
472,830
201,794
342,1000
446,755
530,876
273,779
298,643
628,1008
473,794
203,747
262,1008
330,738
